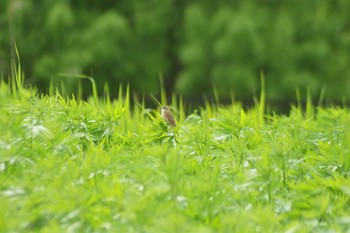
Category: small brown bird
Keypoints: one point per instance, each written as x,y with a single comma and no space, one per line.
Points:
168,116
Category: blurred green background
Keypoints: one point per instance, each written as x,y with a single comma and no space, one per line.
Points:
195,45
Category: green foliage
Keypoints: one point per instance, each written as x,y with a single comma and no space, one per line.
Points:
195,45
78,38
100,166
229,46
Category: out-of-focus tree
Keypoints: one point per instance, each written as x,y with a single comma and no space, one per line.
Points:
299,44
194,45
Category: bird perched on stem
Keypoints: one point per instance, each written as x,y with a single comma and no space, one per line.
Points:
168,116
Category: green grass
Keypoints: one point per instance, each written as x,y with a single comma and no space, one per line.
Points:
99,166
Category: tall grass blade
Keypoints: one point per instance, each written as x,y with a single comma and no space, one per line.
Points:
51,88
163,98
17,77
309,107
299,101
182,113
80,90
83,77
127,113
322,96
159,104
262,100
232,95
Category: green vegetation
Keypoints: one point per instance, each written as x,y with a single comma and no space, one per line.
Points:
68,165
195,45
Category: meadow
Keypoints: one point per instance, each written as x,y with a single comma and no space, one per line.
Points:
68,165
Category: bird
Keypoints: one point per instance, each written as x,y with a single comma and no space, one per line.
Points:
168,116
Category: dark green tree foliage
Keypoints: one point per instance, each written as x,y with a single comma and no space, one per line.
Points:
195,45
295,44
